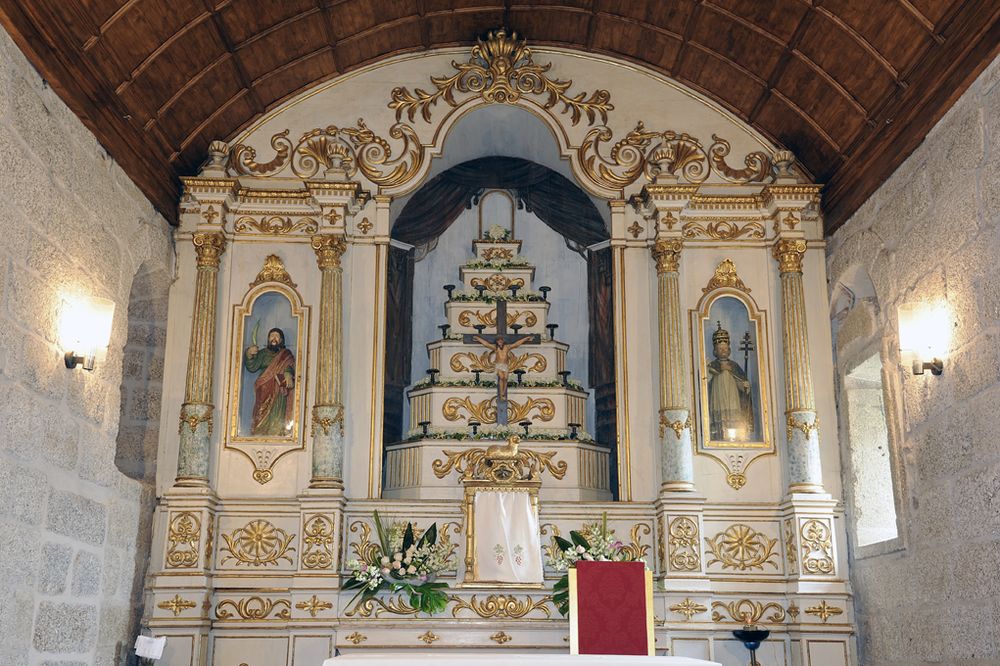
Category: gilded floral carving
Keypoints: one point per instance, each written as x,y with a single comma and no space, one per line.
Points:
501,70
742,547
817,547
253,609
746,611
183,537
258,544
682,544
317,543
501,605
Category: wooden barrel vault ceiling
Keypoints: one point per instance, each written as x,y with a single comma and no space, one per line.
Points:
851,86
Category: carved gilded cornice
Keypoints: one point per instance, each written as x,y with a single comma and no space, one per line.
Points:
273,271
340,152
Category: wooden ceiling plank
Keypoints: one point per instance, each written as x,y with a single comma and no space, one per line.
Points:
920,107
123,141
170,41
860,39
191,83
779,69
220,27
689,27
921,19
324,5
280,25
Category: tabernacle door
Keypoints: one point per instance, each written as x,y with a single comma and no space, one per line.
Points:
508,545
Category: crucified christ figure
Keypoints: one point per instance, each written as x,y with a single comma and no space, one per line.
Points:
502,357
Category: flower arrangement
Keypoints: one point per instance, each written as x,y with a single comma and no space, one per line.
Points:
497,433
498,264
489,381
488,297
498,233
593,543
402,563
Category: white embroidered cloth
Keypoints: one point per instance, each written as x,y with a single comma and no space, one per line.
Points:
508,545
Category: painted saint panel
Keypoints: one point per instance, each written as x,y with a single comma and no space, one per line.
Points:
732,396
268,377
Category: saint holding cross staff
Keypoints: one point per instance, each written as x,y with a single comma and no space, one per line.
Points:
502,345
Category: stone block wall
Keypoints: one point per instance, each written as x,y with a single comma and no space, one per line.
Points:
929,233
74,525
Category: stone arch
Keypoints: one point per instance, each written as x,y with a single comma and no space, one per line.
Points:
868,411
137,442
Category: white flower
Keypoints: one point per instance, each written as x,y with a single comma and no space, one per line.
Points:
398,557
411,570
384,561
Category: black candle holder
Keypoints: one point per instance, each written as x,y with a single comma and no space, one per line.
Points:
423,425
444,330
480,328
516,327
752,636
449,288
475,427
513,290
477,373
432,372
481,288
565,377
520,376
525,425
545,292
573,430
552,330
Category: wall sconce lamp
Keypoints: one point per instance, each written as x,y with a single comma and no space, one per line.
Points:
924,335
85,329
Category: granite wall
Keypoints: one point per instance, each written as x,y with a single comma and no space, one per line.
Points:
930,234
75,493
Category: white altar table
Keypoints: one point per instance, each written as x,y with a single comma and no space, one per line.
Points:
507,658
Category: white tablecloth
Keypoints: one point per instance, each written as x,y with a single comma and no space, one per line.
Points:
506,659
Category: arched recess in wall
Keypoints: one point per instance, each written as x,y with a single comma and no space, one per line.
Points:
555,199
139,419
868,414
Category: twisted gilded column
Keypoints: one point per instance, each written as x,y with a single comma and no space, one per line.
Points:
328,412
676,462
196,411
805,474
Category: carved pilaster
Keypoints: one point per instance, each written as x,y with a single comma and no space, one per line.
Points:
805,473
197,409
328,412
675,420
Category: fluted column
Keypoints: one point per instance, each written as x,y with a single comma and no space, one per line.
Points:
676,464
328,412
196,411
805,473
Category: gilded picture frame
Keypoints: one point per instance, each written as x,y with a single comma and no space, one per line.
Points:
267,389
732,388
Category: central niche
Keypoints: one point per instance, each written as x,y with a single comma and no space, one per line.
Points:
489,230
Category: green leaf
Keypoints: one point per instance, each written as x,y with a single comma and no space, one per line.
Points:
429,537
562,584
383,537
563,544
578,539
408,537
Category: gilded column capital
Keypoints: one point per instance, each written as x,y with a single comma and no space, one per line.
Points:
667,254
788,253
209,247
329,248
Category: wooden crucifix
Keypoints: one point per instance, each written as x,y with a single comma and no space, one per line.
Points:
502,345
